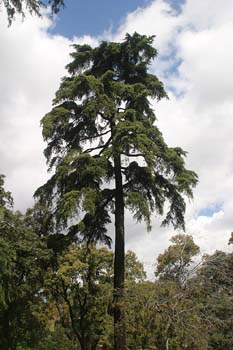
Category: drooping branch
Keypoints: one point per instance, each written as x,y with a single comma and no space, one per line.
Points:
89,150
94,137
102,147
105,146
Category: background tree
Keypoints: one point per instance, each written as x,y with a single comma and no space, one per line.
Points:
213,287
107,152
80,288
165,314
134,269
23,261
162,315
60,298
175,263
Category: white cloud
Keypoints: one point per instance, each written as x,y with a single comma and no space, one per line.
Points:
198,116
32,63
158,19
207,14
210,54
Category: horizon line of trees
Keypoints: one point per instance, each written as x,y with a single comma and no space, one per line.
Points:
56,296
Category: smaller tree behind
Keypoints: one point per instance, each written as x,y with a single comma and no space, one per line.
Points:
24,258
213,287
80,288
174,263
134,269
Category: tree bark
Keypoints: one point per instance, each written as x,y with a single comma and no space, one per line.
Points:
6,338
119,260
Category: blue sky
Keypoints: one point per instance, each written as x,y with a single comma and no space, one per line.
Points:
211,210
93,17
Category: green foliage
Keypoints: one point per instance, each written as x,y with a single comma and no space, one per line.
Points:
55,295
174,263
34,7
134,269
213,286
23,260
80,288
161,315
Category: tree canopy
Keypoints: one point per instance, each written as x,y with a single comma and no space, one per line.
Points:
174,263
101,109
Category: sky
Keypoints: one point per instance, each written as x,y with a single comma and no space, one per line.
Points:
93,17
194,41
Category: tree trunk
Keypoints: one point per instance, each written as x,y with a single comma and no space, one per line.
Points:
5,336
119,260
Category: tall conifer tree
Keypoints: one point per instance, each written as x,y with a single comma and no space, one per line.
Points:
108,153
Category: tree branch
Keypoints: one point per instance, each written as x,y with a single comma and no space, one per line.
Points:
103,117
94,137
70,312
103,147
133,154
106,145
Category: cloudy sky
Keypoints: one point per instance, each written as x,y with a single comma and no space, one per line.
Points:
194,40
